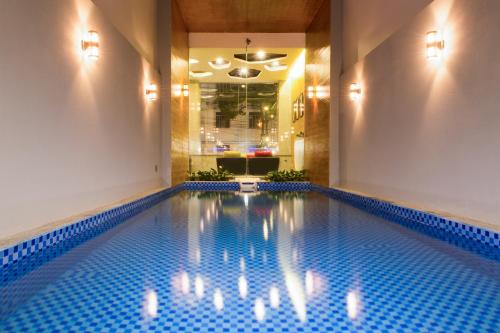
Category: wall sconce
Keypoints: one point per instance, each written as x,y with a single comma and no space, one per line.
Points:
355,92
181,90
311,92
152,92
434,44
90,45
317,92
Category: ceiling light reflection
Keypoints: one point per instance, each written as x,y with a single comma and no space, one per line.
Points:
243,286
218,300
199,287
274,297
353,304
151,303
185,283
259,309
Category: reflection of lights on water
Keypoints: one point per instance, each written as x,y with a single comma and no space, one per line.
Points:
243,286
245,200
202,225
185,283
218,299
198,256
151,303
225,256
199,286
353,304
309,283
271,221
242,264
208,215
295,255
252,252
259,309
264,257
274,297
265,230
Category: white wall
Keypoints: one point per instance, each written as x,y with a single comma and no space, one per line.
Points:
136,20
367,23
74,135
427,132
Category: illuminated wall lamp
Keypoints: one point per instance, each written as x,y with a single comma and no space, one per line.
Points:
311,92
90,45
434,44
152,92
355,92
181,90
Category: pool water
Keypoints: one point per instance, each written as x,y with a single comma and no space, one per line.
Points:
267,262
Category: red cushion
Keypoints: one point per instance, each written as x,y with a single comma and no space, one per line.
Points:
263,153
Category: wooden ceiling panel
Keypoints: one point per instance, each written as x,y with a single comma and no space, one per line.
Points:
273,16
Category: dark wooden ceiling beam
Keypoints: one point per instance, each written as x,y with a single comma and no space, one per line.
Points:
273,16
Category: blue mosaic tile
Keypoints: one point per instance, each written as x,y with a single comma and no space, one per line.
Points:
484,241
212,186
264,262
90,225
283,186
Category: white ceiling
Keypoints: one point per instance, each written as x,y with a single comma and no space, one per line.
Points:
204,55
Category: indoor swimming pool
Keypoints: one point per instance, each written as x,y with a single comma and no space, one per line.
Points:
255,262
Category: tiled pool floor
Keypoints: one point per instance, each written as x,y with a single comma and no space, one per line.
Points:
271,262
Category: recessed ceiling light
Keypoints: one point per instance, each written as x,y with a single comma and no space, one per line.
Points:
261,55
259,58
200,73
193,61
244,73
219,63
275,66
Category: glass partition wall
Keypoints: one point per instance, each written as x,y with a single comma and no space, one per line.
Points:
244,117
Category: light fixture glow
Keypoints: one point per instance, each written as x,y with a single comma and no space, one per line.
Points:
261,54
276,66
243,71
355,92
311,92
199,74
193,61
434,44
185,90
219,63
152,92
90,45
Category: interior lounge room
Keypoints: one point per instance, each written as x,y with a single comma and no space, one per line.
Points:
250,166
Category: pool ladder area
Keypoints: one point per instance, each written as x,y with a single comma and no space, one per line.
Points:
248,186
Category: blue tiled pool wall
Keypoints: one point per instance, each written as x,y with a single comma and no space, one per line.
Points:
476,239
283,186
211,186
42,248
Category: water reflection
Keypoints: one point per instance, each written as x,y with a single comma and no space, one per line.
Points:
218,300
281,219
199,287
151,304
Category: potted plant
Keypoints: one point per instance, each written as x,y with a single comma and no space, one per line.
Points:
210,175
286,176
